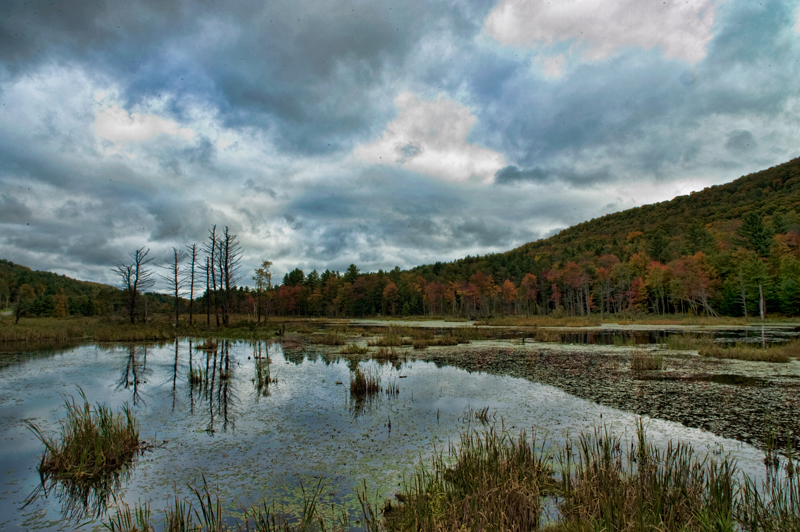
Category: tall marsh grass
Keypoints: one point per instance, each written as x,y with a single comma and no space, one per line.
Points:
490,482
93,443
644,361
706,346
364,382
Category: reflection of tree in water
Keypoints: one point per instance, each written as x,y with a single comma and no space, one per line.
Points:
263,377
215,388
135,370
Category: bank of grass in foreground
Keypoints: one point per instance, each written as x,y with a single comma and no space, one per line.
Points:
494,482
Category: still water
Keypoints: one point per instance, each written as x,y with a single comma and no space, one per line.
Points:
250,440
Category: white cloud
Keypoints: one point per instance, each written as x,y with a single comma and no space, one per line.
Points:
797,21
430,137
552,66
680,29
115,124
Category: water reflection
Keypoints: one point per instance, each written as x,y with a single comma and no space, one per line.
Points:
79,500
213,388
221,413
133,373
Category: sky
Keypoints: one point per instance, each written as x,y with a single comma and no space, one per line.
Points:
331,132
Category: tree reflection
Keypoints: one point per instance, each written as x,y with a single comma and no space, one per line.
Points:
214,387
133,374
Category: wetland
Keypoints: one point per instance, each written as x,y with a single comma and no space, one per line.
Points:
269,419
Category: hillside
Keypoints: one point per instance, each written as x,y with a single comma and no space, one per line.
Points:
52,294
773,193
707,221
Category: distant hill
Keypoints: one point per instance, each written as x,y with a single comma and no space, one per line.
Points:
773,193
707,221
78,297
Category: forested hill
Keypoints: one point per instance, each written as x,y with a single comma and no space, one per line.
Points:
740,235
700,221
771,193
53,294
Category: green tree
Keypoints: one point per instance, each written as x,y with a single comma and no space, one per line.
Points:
294,278
754,234
351,274
697,238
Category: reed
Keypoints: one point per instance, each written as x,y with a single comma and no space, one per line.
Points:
781,353
644,488
93,444
490,482
421,344
205,513
329,338
364,382
644,361
354,349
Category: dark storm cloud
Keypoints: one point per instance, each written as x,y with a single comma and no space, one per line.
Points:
313,74
12,211
512,175
740,141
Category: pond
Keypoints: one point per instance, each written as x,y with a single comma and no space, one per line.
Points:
253,439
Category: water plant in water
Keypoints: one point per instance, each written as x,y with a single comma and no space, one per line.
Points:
204,512
94,447
93,442
354,349
644,361
364,382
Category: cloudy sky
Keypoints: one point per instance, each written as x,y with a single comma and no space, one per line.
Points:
384,134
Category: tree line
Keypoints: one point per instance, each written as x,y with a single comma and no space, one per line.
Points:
730,250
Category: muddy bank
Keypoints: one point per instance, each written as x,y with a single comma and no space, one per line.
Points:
734,399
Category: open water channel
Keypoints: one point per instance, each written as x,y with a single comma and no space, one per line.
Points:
252,441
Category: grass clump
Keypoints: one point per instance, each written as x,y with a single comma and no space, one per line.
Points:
354,349
780,353
490,482
94,443
329,338
364,382
644,488
644,361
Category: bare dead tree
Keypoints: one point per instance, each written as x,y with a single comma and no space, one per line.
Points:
135,278
192,253
207,270
229,256
210,248
175,277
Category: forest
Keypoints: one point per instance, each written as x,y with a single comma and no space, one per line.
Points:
732,250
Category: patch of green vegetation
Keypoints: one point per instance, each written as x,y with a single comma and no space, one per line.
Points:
776,353
644,361
354,349
93,442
